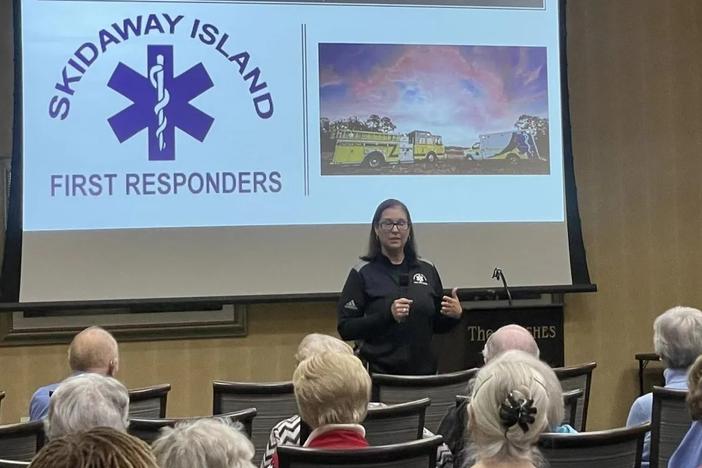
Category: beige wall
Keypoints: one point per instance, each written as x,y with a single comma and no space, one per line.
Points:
636,106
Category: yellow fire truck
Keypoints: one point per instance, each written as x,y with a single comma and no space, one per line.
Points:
373,149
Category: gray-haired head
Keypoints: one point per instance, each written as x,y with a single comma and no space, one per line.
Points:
94,350
316,343
677,336
510,407
509,337
206,442
86,401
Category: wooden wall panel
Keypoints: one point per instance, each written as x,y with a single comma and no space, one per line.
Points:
634,71
188,365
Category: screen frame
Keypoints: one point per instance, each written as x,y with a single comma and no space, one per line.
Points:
11,263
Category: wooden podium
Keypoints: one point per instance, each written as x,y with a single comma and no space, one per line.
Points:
461,347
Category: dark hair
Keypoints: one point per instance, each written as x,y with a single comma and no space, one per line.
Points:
374,250
100,447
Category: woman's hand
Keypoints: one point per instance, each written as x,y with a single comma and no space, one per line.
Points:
451,305
400,309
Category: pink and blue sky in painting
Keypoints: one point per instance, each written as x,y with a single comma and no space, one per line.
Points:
458,92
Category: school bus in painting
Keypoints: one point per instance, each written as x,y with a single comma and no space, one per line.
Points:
373,149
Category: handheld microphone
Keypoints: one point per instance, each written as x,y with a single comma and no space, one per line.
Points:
500,276
404,288
404,284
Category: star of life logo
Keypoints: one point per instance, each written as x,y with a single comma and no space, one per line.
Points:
160,102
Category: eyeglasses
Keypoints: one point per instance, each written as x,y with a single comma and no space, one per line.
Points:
387,225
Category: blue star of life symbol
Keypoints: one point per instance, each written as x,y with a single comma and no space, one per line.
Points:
161,102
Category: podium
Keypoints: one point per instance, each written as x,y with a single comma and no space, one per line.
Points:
461,348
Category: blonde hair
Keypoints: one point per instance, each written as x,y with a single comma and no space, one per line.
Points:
509,408
332,388
101,447
694,393
211,443
316,343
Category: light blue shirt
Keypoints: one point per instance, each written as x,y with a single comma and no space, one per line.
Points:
689,452
39,405
642,408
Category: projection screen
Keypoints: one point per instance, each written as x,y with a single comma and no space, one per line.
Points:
189,149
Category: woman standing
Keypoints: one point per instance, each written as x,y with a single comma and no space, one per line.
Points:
393,300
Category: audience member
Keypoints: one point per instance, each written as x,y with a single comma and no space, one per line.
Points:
85,401
507,338
294,431
689,452
677,339
332,392
92,350
101,447
508,410
210,443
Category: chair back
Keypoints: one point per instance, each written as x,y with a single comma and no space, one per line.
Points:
415,454
149,402
578,378
670,421
395,424
13,464
441,389
274,402
613,448
570,405
149,430
21,441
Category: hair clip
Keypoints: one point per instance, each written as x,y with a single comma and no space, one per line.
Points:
517,410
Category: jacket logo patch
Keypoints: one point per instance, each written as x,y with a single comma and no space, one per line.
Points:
351,305
419,278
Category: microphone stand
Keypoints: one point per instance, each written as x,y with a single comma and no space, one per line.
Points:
500,276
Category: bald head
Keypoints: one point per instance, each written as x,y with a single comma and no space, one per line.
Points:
508,338
94,350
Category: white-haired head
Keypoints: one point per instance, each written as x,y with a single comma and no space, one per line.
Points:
332,388
510,407
316,343
508,338
211,443
677,336
86,401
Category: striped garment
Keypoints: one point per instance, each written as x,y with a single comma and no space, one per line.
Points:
287,432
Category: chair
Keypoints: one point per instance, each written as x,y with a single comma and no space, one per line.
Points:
613,448
441,389
396,423
13,464
149,430
21,441
415,454
570,405
149,402
670,421
578,377
274,402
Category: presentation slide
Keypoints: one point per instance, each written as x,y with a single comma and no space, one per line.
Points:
190,149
